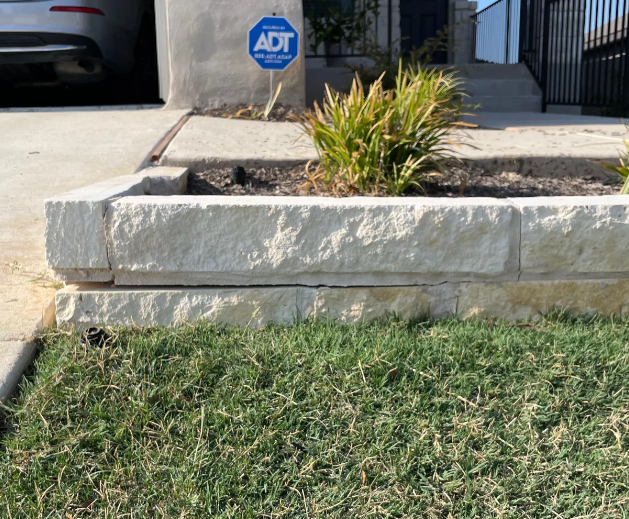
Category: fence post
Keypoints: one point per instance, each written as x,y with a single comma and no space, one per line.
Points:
474,20
625,83
545,49
508,31
523,22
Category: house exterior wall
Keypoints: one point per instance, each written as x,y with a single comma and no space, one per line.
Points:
207,64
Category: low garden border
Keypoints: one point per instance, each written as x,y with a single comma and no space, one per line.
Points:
137,252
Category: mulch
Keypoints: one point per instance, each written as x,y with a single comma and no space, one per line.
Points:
466,181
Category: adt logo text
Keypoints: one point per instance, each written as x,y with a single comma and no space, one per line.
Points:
268,41
273,43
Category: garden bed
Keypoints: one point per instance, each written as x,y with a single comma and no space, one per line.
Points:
466,180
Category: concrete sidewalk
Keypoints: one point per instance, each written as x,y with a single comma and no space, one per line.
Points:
544,140
206,141
528,121
42,154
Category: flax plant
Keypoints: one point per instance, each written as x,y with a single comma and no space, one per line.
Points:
385,141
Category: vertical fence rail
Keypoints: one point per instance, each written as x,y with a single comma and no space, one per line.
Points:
624,90
495,33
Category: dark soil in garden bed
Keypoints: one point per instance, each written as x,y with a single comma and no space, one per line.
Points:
279,114
468,181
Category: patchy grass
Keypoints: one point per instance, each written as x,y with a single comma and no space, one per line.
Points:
394,419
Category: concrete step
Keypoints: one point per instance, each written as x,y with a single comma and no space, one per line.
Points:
501,87
494,71
491,103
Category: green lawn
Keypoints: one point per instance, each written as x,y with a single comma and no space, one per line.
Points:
444,419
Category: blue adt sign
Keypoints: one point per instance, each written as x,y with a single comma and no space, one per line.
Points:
273,43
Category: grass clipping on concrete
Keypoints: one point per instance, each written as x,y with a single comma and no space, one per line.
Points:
393,419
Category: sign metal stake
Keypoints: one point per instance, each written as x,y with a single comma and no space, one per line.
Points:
271,91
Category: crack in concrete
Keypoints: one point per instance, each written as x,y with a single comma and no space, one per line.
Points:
520,245
107,204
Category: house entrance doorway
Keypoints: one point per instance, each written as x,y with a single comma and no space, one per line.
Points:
420,20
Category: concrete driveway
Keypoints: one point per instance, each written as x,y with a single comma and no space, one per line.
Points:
47,153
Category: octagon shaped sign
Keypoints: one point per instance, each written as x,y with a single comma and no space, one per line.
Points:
273,43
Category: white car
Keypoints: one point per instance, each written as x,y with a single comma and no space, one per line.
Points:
78,41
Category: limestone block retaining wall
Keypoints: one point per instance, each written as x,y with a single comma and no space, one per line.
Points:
254,260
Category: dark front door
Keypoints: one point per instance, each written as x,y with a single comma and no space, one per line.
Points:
420,20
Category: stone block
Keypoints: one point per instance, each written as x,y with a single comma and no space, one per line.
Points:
92,304
166,181
529,300
85,305
569,236
310,241
354,305
75,231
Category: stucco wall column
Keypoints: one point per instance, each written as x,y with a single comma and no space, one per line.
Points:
208,64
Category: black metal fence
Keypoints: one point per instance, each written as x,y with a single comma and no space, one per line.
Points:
495,32
533,25
577,50
605,62
345,28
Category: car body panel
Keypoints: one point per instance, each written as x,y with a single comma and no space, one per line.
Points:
24,48
114,34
